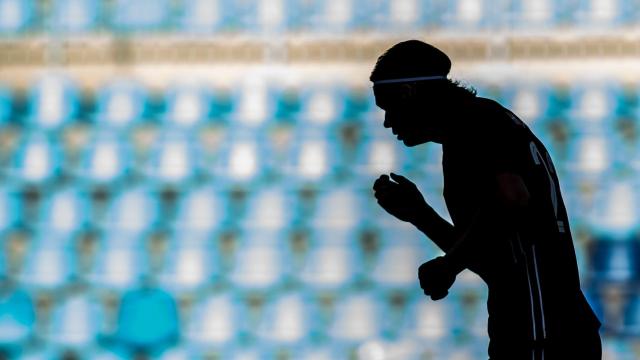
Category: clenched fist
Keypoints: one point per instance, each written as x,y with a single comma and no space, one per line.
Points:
436,277
400,197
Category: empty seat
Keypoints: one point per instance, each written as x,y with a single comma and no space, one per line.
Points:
287,319
76,321
173,159
53,102
15,16
37,159
75,16
201,211
134,210
357,318
615,261
64,212
49,264
258,261
331,264
121,104
594,105
106,161
140,15
187,106
214,320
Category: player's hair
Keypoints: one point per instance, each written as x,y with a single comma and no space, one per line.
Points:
413,58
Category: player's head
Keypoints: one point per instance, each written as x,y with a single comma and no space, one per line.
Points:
410,84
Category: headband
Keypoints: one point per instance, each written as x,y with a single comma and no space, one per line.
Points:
409,79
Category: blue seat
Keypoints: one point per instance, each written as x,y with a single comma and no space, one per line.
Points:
402,251
269,207
259,16
632,316
287,319
75,16
106,160
121,104
133,211
9,208
321,16
172,159
204,16
76,321
339,208
15,16
429,321
404,15
589,159
140,15
605,14
187,107
241,160
53,102
258,265
17,318
6,104
381,155
357,318
472,15
201,211
615,211
48,264
253,104
615,260
64,212
331,264
531,102
594,105
287,103
313,159
189,263
120,261
321,105
536,14
147,321
37,160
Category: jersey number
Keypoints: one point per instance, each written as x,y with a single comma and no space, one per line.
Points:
545,161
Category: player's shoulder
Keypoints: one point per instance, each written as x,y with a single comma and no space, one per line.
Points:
497,117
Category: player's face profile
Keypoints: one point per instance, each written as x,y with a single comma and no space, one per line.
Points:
405,114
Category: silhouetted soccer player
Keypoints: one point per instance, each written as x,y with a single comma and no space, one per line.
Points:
510,224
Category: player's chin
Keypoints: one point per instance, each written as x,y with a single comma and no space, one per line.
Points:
410,142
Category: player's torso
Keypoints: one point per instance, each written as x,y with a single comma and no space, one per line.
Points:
530,268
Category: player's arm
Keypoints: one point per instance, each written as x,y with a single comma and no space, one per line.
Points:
402,199
510,201
439,230
512,197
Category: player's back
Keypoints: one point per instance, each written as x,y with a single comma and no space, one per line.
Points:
530,264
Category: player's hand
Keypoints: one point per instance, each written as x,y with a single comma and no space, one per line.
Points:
436,278
400,197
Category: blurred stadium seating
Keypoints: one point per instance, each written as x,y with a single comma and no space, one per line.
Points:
162,198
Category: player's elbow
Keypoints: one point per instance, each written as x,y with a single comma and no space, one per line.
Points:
512,191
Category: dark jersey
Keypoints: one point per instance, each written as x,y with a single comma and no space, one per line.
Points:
530,264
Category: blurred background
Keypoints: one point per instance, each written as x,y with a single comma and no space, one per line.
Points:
192,179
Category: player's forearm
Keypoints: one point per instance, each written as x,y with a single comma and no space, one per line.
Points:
481,229
439,230
477,233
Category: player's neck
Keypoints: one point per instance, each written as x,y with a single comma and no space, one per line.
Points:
462,111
